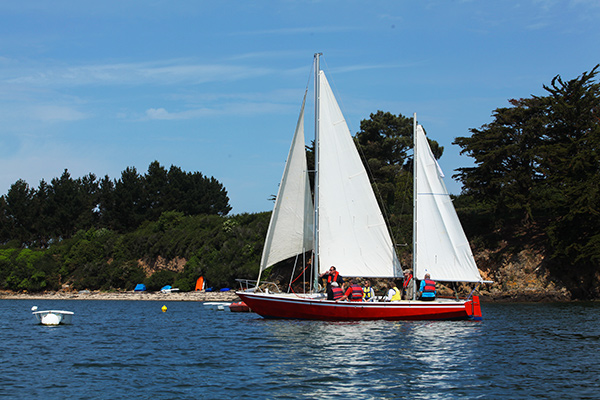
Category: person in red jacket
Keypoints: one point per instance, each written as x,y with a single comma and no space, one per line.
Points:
353,293
427,289
336,291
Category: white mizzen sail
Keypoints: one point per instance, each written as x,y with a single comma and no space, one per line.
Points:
441,247
353,235
291,226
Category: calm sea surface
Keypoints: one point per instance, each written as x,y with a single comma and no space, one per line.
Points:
132,350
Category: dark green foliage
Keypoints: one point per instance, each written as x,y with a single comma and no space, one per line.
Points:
221,249
537,164
28,270
55,211
18,219
160,279
231,252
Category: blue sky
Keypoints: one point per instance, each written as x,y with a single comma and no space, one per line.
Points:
216,86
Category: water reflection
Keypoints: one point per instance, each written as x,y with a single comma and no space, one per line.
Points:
346,358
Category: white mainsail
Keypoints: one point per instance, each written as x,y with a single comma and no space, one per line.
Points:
353,235
441,247
291,226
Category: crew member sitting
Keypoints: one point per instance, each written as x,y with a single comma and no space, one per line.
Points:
394,293
336,291
427,289
407,285
354,292
368,292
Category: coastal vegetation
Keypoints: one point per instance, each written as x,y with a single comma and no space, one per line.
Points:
530,205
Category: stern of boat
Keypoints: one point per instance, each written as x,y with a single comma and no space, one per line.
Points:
473,309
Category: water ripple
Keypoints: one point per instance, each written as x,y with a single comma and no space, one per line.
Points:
121,349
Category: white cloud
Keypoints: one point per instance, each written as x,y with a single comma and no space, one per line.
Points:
230,110
157,113
300,30
161,72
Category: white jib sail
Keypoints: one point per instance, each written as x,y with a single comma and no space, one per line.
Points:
353,235
291,226
442,248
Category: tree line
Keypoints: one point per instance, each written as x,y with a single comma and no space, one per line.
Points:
38,217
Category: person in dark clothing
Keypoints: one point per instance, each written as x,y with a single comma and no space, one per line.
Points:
330,276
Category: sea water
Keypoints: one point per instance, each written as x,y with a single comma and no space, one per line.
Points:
134,350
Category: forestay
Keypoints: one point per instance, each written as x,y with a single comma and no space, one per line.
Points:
441,246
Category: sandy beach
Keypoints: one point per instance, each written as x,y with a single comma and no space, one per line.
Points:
131,295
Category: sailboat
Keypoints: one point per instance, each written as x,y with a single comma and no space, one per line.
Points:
341,225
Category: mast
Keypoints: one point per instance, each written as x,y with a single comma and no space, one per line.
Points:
414,258
316,190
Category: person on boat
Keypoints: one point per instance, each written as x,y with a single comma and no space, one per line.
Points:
394,293
330,276
354,292
427,289
336,291
407,285
368,292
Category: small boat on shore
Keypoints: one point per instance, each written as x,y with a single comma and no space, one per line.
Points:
169,289
53,317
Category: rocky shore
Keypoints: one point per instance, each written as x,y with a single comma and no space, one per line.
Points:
130,295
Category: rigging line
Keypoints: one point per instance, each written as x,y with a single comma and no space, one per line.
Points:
473,291
293,272
310,75
405,196
383,207
299,275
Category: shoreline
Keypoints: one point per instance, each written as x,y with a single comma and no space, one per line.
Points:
201,296
131,295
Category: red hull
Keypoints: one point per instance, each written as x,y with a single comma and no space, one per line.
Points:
277,306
